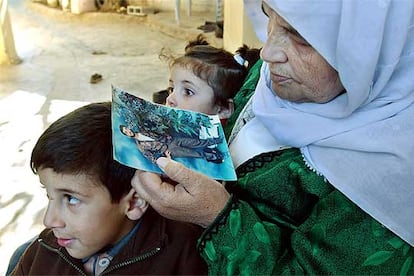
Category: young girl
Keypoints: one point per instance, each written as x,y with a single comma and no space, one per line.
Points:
206,78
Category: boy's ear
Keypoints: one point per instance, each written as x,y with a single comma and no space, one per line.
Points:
135,206
226,111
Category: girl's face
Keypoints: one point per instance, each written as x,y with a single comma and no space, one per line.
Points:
187,91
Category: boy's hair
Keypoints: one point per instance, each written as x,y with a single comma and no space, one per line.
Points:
81,142
216,66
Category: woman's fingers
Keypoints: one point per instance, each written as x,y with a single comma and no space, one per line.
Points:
151,187
202,196
187,196
191,180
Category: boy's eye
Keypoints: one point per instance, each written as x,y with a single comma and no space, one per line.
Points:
72,200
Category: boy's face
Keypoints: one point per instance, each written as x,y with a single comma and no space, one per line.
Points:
187,91
81,214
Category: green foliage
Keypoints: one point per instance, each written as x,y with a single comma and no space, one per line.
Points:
155,120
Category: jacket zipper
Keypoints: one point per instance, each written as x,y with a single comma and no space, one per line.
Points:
63,256
139,258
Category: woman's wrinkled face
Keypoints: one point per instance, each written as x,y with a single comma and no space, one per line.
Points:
298,73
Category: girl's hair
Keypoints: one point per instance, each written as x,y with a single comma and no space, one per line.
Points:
218,67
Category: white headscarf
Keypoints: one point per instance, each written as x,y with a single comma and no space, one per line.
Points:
363,140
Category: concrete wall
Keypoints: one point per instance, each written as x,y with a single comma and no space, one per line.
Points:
7,49
169,5
237,27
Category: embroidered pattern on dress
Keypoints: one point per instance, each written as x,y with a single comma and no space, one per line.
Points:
257,162
220,221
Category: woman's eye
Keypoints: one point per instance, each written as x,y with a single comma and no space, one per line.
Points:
72,200
299,39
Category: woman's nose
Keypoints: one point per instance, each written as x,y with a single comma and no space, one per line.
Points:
52,218
274,50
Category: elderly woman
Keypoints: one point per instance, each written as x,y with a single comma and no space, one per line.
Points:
324,148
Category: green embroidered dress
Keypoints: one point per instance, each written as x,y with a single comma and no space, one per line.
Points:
285,219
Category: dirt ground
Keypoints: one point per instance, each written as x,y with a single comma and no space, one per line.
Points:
59,52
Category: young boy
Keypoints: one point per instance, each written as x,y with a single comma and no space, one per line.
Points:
95,223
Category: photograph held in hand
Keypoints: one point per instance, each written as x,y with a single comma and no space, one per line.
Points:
143,132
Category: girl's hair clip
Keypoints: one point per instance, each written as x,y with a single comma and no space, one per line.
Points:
239,59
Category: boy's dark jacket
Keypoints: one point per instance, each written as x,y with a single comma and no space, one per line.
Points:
161,246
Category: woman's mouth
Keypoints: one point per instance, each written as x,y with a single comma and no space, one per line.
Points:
278,78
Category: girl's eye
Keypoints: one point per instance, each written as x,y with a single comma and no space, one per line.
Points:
72,200
188,92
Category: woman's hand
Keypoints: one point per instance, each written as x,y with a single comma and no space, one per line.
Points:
195,198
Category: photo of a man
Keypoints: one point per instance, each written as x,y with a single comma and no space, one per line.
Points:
144,131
